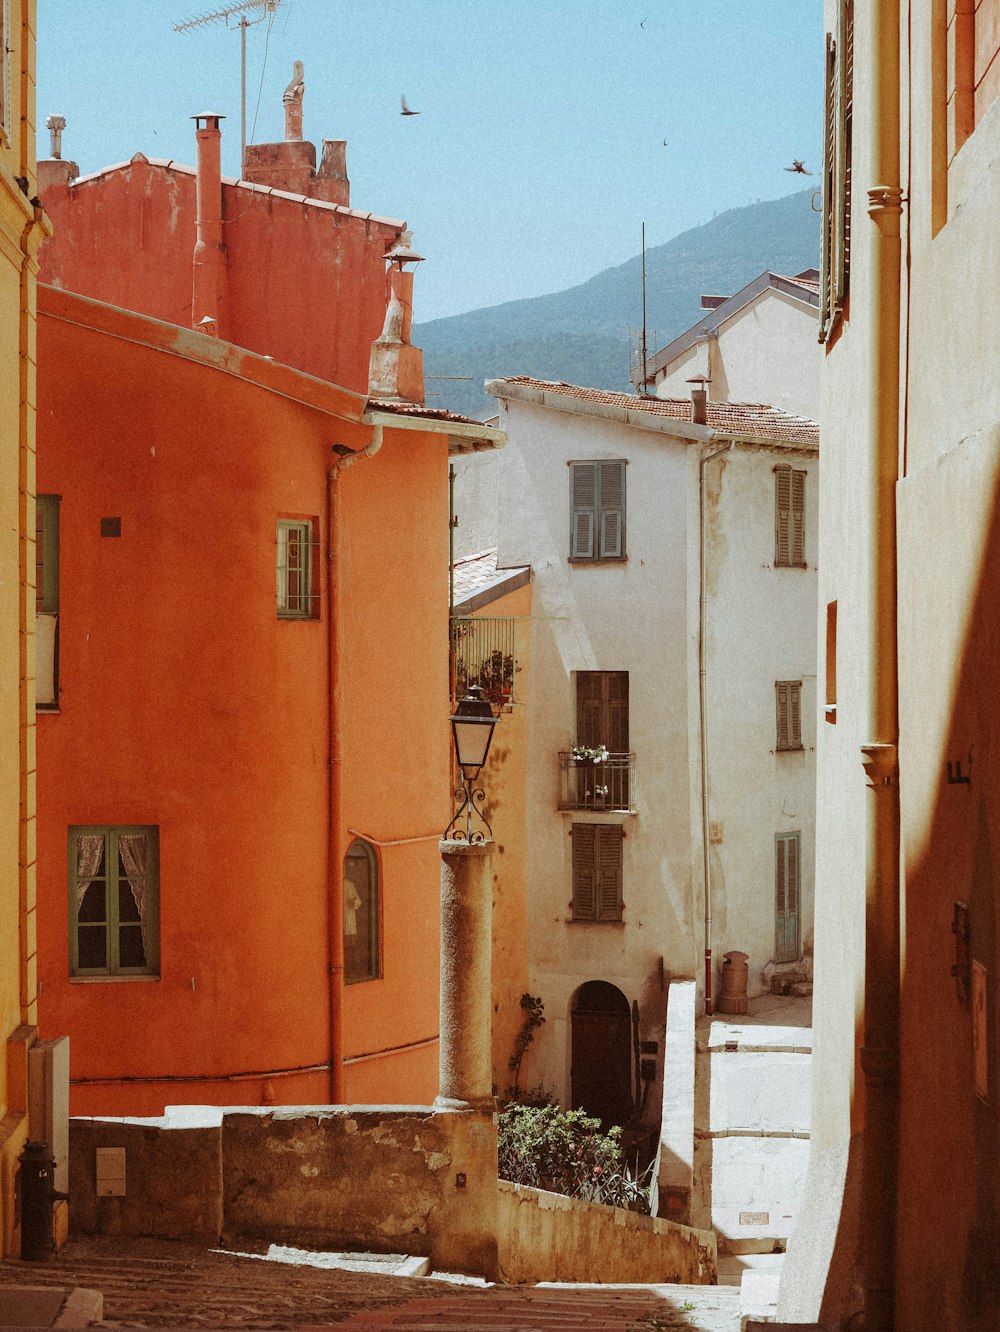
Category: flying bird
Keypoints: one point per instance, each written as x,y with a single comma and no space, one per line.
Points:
665,142
798,168
406,110
643,23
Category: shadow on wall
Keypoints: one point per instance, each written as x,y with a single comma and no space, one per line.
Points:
949,1165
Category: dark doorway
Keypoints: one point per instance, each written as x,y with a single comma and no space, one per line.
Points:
601,1061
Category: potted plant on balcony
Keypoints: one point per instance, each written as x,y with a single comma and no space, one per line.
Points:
582,755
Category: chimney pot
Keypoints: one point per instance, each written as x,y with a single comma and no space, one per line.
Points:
292,100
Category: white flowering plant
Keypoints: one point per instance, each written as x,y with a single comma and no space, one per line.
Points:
586,754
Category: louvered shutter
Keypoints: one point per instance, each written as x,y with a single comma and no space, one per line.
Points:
590,709
781,700
616,737
583,516
782,515
781,851
612,509
842,180
792,876
829,156
609,872
584,871
798,518
795,716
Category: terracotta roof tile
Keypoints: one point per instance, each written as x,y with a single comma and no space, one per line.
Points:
477,573
738,418
417,409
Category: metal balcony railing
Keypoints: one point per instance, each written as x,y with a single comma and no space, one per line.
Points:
483,651
606,785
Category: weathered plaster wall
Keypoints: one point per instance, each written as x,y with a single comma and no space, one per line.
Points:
767,352
761,627
305,281
477,502
614,616
675,1161
171,650
547,1237
504,779
20,234
384,1179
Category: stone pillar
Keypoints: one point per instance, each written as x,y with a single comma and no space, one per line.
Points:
466,1078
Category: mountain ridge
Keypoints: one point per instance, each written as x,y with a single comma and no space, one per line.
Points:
581,334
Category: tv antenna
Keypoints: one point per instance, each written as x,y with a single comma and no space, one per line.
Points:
224,15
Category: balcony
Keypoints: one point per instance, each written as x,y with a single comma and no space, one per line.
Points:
604,786
483,652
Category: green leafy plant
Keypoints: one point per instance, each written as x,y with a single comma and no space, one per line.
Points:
566,1151
534,1016
586,754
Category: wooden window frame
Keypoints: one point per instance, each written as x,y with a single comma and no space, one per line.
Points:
374,910
304,603
830,706
47,582
789,517
599,901
600,547
783,859
788,715
113,970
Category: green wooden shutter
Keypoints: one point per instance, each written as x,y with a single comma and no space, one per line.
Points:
609,872
786,897
583,516
612,509
798,518
844,95
584,871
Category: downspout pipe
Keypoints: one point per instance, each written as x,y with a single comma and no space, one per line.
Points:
335,812
703,711
880,1050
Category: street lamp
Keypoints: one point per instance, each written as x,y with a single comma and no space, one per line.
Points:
472,730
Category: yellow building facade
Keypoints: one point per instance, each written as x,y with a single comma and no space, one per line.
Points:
22,229
902,1215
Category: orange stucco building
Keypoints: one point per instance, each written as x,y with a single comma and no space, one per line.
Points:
240,791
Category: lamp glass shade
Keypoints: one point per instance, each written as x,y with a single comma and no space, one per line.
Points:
472,727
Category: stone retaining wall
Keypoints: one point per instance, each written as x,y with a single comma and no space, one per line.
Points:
547,1237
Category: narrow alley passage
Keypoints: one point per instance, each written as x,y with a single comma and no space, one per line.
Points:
752,1119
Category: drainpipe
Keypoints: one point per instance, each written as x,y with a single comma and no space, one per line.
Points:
208,299
880,1051
335,812
703,711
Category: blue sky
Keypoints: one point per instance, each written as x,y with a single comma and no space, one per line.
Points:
539,149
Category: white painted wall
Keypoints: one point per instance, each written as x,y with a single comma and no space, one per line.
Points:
641,616
767,352
628,616
761,627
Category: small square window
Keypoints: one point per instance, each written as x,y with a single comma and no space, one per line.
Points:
297,569
597,510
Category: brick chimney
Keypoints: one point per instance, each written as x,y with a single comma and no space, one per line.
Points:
291,164
209,291
396,367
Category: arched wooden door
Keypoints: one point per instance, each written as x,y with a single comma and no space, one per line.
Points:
600,1072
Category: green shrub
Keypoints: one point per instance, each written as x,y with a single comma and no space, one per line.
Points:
565,1151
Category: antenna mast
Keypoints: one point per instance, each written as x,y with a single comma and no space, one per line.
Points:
224,15
642,382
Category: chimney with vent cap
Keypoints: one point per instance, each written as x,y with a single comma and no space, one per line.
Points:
55,170
209,292
699,399
396,367
291,164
